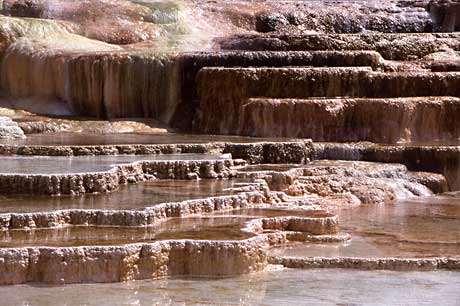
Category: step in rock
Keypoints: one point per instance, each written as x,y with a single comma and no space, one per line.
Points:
391,46
431,158
112,85
363,119
223,91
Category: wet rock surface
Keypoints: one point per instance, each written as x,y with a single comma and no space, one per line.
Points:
106,181
302,83
370,264
357,103
272,231
410,119
430,157
130,262
392,46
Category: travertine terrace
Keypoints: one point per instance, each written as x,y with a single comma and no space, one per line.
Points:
156,139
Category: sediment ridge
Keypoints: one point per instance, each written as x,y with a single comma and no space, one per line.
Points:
395,264
75,184
158,259
365,95
133,218
347,119
430,158
228,90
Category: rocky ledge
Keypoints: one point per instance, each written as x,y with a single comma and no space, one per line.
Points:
158,259
107,181
397,264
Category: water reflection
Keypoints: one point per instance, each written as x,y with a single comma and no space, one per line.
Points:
79,164
129,138
132,197
415,227
197,228
287,287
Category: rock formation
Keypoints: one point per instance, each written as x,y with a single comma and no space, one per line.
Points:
324,121
10,129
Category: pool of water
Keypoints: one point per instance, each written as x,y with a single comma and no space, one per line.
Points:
439,143
286,287
271,212
130,138
198,228
415,227
79,164
269,167
132,197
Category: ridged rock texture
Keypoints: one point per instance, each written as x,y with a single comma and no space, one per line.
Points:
365,95
342,119
159,259
75,184
231,90
391,46
96,85
439,159
396,264
129,262
133,218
